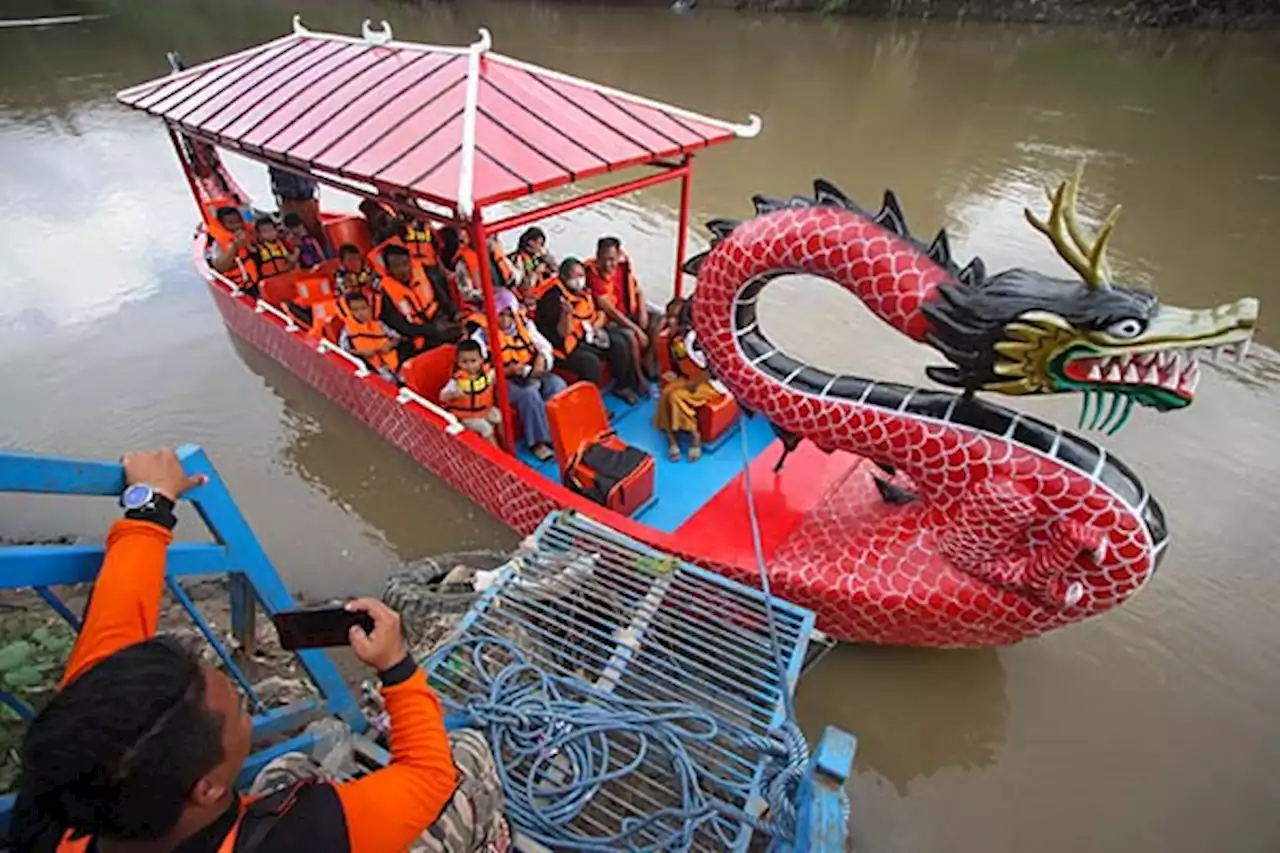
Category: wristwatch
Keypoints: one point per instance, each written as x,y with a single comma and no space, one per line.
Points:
143,503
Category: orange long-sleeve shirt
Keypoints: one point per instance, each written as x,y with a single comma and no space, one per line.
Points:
384,811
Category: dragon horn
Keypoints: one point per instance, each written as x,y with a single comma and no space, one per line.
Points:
1087,257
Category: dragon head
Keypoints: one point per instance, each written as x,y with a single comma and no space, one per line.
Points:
1021,332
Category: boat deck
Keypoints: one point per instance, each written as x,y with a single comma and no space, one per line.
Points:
682,488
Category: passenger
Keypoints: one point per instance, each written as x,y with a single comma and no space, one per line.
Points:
233,255
611,279
535,266
469,394
567,315
142,744
383,223
526,362
419,298
687,386
297,194
354,272
459,262
501,272
272,254
368,337
311,252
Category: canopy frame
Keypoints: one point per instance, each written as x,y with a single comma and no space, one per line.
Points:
464,212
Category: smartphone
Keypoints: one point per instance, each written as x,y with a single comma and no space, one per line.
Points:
318,628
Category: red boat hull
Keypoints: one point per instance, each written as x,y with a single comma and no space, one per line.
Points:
815,492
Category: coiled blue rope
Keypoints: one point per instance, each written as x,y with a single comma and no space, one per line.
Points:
558,741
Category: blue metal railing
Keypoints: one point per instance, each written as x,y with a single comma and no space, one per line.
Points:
640,624
234,552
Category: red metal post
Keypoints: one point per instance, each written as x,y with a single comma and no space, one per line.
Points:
186,168
560,207
682,233
493,335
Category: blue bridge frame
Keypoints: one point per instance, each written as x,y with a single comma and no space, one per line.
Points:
253,580
234,552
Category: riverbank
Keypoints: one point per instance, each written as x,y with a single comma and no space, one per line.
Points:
1169,14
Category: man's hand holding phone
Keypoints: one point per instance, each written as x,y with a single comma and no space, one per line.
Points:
383,647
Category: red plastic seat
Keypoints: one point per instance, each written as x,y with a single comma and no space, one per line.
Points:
428,372
714,418
348,229
578,419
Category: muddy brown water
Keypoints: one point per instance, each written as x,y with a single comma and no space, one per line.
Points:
1152,729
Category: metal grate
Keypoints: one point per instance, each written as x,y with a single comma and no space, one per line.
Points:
587,603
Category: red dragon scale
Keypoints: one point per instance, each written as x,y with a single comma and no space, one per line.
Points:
996,526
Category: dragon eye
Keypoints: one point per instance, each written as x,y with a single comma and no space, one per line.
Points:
1126,328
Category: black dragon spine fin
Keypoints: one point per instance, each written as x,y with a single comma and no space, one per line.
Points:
891,215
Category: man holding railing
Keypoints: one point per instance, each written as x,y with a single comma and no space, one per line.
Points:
141,747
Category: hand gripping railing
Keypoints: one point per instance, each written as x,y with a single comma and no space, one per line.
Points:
234,551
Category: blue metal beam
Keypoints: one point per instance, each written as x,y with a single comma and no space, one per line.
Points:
235,551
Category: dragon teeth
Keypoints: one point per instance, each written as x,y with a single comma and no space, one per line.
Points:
1152,376
1131,374
1242,350
1095,373
1114,374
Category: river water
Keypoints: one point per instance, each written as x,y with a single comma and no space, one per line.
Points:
1150,730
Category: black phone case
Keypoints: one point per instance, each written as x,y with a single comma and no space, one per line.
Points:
318,628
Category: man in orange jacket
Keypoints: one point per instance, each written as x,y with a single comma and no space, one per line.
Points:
141,747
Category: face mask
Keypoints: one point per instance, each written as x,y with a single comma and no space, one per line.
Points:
577,283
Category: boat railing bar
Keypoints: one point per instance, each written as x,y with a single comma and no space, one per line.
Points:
453,426
234,552
263,306
326,345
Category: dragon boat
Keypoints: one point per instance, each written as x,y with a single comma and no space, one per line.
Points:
902,515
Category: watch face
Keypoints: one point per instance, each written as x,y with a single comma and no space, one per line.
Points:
136,496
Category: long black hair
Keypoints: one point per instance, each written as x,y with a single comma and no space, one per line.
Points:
117,751
547,314
450,243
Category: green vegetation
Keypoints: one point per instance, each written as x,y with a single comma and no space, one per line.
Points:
33,649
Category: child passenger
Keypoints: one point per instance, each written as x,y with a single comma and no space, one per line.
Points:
687,386
310,251
469,393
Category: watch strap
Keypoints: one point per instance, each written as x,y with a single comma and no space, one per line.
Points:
158,511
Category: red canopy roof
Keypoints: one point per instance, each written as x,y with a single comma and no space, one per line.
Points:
458,126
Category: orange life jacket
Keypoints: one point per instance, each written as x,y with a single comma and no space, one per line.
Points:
346,281
416,301
582,310
272,258
473,317
468,256
622,286
517,346
477,394
506,272
420,241
681,364
246,269
367,338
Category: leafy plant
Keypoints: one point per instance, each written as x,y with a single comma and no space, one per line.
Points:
33,650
